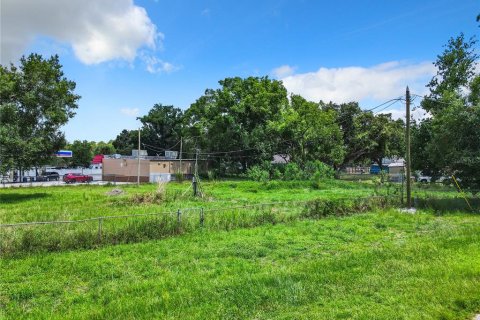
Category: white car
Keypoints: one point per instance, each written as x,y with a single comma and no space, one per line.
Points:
424,179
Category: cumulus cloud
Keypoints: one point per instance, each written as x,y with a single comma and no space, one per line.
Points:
97,31
380,82
283,71
131,112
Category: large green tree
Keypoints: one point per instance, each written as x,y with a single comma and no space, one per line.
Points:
162,129
36,100
309,133
236,117
104,148
451,138
455,72
126,141
82,153
366,136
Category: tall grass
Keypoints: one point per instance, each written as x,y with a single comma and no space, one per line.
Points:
115,230
382,265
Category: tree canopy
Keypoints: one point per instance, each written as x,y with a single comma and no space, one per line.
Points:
162,129
36,100
449,142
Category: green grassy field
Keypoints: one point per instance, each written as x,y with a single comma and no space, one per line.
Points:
282,261
86,201
383,265
153,215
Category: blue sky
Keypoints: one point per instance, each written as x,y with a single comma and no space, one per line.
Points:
126,56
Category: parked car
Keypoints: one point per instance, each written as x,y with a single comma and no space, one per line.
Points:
75,177
48,176
424,179
442,179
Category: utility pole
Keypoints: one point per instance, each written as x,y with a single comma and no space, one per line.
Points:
407,155
138,159
181,147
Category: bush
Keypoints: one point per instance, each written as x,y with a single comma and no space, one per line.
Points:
256,173
318,170
293,172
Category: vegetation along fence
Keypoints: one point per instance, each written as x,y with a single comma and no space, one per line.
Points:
93,232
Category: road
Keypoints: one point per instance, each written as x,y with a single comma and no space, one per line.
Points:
52,183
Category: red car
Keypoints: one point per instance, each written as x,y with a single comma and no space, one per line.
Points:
75,177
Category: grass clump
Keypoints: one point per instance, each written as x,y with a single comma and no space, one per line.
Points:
157,196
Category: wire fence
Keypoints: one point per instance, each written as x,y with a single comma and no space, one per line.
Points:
41,236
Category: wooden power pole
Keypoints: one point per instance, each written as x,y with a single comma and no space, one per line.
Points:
181,147
407,153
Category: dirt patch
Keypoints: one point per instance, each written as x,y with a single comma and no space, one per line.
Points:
115,192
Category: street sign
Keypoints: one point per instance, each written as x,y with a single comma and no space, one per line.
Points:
64,154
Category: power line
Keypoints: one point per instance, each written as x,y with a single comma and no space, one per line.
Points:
431,99
384,103
389,105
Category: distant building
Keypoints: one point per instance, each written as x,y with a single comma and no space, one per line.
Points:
152,169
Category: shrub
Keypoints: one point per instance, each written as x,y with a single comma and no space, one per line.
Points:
292,172
318,170
256,173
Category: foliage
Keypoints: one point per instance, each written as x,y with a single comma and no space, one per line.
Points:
126,141
367,136
257,173
162,129
104,148
318,170
456,69
312,170
234,118
293,172
82,153
447,143
36,100
309,132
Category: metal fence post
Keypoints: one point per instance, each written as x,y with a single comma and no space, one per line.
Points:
100,222
202,217
179,216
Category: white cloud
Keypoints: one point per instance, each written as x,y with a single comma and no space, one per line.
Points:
131,112
283,71
380,82
416,114
97,31
156,65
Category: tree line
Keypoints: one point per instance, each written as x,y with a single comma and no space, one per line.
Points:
246,121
